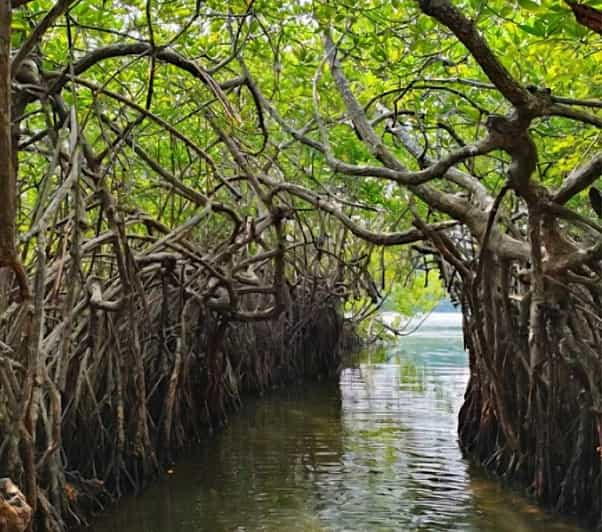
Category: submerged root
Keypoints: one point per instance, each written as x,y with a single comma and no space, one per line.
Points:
88,435
532,414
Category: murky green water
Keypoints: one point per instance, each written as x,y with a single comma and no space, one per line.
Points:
376,453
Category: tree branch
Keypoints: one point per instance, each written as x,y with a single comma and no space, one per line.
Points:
34,38
579,179
465,30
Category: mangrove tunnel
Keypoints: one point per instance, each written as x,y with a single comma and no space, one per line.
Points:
202,200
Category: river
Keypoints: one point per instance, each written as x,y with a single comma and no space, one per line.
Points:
378,452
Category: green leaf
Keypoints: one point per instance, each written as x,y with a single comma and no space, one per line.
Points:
529,5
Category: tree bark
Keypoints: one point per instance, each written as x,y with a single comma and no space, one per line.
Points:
8,183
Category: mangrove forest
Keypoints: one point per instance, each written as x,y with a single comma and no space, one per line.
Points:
202,201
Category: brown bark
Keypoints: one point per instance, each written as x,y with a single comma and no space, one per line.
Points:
8,185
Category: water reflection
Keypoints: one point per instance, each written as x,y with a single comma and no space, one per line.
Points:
378,452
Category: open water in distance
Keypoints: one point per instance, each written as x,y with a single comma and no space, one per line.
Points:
376,453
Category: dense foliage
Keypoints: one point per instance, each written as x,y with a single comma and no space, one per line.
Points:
252,161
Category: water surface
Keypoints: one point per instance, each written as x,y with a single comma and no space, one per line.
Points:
376,452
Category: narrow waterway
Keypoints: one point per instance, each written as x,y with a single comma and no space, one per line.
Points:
377,452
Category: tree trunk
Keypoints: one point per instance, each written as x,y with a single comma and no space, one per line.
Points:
8,185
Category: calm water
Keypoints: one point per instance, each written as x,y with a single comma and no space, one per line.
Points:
377,452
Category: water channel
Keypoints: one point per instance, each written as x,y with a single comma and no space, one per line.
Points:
378,452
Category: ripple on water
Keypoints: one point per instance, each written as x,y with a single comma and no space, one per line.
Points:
378,452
